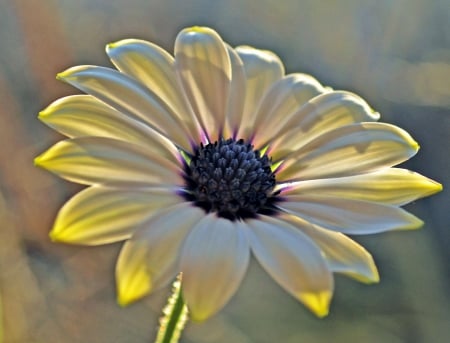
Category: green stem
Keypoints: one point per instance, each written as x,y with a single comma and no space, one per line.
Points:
175,316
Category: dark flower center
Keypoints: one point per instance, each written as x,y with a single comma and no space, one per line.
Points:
231,178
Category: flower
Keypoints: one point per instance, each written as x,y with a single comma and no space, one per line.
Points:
199,160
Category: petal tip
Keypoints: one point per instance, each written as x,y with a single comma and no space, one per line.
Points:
43,115
110,46
61,76
438,187
55,236
127,297
42,160
199,316
375,280
317,302
68,74
39,160
376,115
414,224
65,75
123,301
198,29
369,279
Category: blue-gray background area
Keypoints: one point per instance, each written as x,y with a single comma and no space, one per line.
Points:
395,53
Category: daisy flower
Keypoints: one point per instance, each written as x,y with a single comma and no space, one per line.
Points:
200,160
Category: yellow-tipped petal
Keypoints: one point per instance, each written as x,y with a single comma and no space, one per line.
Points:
262,69
214,260
350,216
101,160
393,186
154,67
349,150
132,275
293,260
103,215
343,255
203,67
130,97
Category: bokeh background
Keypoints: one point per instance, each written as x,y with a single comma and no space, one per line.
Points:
395,53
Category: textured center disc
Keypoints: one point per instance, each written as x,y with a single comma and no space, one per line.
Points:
231,178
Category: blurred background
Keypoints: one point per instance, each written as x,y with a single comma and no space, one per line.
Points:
395,53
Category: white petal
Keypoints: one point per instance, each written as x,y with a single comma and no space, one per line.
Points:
214,260
84,115
293,260
236,97
343,255
101,215
99,160
154,68
392,186
319,115
282,101
150,259
204,69
262,69
348,215
349,150
129,97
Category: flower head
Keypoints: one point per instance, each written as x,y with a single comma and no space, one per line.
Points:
200,159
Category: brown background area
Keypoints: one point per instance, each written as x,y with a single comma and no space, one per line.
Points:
395,53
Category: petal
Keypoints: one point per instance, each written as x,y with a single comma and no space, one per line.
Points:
262,69
154,68
129,97
282,101
293,260
392,186
102,215
349,150
319,115
348,215
343,254
236,98
204,70
149,260
99,160
84,115
214,260
133,280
